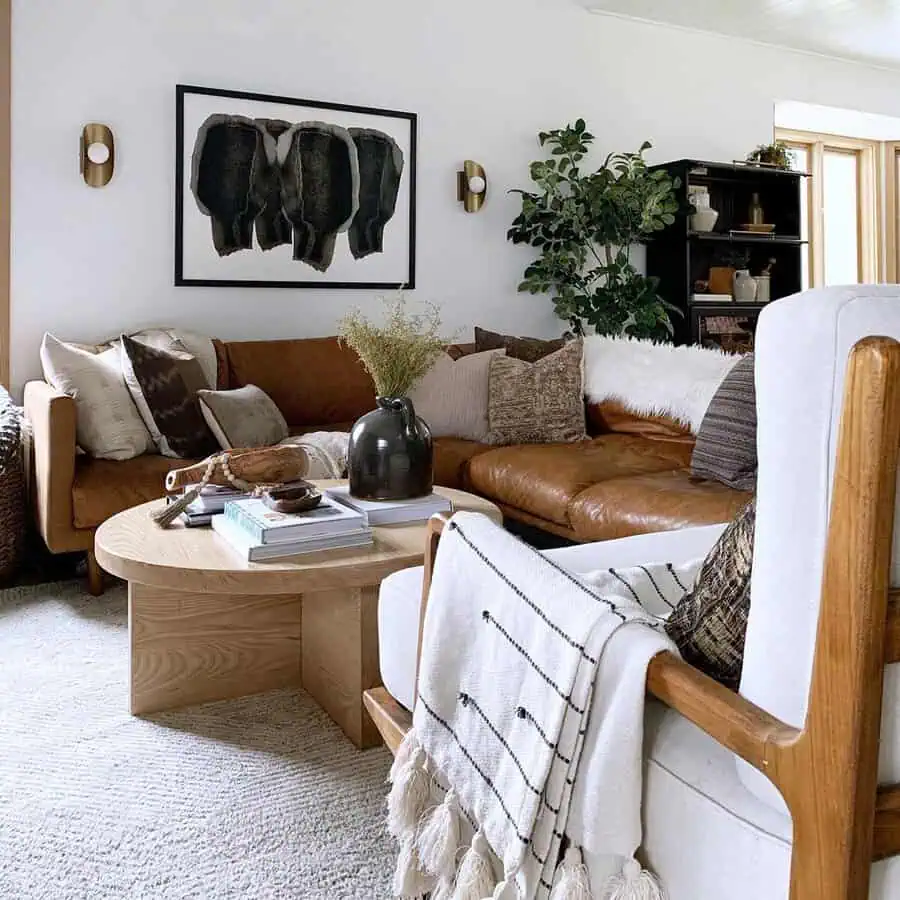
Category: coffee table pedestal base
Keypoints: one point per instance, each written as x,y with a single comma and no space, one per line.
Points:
189,648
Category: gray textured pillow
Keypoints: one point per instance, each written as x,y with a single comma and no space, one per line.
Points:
709,625
452,396
725,450
245,417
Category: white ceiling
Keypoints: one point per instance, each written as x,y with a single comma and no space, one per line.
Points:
864,30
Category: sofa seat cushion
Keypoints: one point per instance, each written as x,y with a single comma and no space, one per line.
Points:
656,501
104,487
451,460
543,479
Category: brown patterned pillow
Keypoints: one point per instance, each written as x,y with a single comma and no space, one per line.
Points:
709,624
537,403
526,348
164,386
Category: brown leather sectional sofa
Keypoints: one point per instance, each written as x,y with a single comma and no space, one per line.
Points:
630,477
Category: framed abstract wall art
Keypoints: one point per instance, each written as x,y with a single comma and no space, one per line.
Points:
278,192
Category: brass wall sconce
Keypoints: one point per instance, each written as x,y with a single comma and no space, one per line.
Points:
471,186
98,155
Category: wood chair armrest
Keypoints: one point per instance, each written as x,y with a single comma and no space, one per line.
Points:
733,721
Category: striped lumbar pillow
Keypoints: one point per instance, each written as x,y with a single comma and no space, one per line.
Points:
725,450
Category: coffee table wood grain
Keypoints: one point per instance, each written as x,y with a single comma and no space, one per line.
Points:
204,625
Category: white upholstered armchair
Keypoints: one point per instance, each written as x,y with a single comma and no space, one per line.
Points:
809,717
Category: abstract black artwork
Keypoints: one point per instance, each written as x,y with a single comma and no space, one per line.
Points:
277,192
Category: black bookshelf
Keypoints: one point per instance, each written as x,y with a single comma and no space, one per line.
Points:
682,258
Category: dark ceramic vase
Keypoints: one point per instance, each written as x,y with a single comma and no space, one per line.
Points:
391,453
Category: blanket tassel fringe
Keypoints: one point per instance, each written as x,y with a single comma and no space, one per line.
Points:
409,795
438,838
635,883
409,879
574,882
475,880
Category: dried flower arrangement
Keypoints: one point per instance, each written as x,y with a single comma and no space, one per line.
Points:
399,352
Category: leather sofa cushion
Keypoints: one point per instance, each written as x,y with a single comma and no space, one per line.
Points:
612,416
313,381
451,460
658,501
105,487
543,479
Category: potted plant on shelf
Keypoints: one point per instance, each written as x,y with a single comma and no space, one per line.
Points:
584,223
390,454
775,154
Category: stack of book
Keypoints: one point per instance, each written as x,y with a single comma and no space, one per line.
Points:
258,532
393,512
211,501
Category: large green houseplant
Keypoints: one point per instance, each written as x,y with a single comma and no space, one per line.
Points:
584,223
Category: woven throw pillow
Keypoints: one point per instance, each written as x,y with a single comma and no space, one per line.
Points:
725,450
526,348
709,625
452,396
245,417
108,425
164,386
537,403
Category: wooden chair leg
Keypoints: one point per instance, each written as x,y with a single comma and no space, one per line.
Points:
94,574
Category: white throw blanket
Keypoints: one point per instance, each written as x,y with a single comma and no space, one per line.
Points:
529,722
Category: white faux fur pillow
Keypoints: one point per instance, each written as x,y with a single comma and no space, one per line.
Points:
452,396
654,379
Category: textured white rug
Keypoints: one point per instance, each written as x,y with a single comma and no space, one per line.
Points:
255,798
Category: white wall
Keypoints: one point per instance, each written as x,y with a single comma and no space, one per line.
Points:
484,76
831,120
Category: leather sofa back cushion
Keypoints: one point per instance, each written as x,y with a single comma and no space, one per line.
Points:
313,381
612,416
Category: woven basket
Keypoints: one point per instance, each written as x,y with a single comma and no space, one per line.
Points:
12,487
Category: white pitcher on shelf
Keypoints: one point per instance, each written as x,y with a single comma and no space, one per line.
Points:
744,286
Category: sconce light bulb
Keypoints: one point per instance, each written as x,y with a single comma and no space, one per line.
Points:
98,153
477,184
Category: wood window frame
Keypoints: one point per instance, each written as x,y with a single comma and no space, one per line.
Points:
892,210
5,184
872,262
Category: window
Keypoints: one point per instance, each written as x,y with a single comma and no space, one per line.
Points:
840,207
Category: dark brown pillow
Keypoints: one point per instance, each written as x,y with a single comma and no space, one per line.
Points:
524,348
164,388
709,625
725,450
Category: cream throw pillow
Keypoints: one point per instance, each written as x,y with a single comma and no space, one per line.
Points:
108,423
245,417
452,396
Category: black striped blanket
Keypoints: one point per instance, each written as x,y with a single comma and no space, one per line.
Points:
528,727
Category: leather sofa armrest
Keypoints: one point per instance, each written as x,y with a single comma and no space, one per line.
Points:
52,418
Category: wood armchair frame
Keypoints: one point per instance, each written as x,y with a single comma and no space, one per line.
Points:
826,771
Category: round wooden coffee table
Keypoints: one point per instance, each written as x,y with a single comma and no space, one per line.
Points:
205,625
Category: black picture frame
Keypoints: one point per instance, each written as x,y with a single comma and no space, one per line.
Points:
410,167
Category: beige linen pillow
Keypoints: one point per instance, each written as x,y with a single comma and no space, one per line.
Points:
537,403
452,396
245,417
108,423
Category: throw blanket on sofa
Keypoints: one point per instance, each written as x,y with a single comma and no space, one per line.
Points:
521,732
